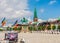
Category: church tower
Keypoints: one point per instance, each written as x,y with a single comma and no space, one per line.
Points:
35,19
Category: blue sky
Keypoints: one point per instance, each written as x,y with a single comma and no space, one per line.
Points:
17,9
46,8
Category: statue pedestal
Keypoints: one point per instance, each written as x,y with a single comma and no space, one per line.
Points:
24,29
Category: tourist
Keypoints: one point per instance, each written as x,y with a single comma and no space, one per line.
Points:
22,41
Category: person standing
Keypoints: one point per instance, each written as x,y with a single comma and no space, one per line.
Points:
22,40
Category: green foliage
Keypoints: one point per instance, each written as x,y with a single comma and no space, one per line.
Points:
35,28
19,28
59,27
41,27
30,28
9,29
49,28
54,27
1,29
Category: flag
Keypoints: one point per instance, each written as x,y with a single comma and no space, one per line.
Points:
15,23
3,22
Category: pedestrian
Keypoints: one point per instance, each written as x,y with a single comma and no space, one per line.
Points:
22,40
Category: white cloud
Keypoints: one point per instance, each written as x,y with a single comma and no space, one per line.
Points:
52,2
40,20
29,19
22,13
51,20
14,8
41,10
8,25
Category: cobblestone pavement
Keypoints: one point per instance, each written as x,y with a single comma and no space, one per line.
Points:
35,37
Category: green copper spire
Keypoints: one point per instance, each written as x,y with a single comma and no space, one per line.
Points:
35,19
35,13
